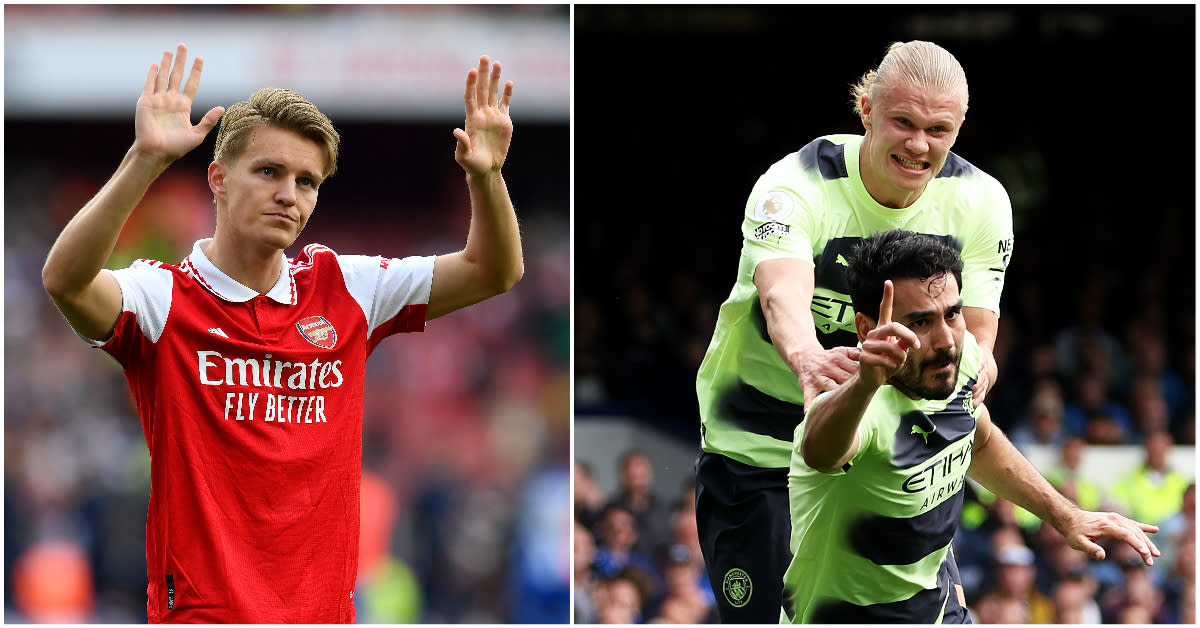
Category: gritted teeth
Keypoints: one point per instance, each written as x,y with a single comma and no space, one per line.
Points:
910,164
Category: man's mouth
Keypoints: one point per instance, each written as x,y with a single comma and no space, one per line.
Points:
912,165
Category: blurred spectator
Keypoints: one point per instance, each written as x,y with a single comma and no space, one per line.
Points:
1085,342
636,494
1137,600
1003,610
583,577
1150,372
1092,412
589,498
1015,576
1180,589
619,601
1148,407
1065,475
1044,425
1177,529
1074,599
685,601
1153,491
617,534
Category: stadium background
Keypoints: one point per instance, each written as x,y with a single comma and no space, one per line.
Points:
1085,113
466,427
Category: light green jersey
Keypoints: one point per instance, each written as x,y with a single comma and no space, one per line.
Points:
813,205
871,542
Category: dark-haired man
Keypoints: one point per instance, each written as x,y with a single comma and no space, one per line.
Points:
879,464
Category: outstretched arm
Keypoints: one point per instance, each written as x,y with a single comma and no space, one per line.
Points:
491,262
89,299
1002,469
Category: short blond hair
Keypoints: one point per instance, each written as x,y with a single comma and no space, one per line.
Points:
921,64
282,108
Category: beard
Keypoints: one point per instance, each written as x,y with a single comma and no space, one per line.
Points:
912,378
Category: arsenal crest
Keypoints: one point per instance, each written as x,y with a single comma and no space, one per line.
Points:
318,331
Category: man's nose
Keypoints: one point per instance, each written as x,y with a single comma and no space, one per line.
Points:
286,192
917,143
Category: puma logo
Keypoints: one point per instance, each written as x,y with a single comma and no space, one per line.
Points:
916,429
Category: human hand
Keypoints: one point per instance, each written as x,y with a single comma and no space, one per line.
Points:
1086,526
483,145
162,121
885,348
827,369
987,373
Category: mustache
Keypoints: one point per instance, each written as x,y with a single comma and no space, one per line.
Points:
941,357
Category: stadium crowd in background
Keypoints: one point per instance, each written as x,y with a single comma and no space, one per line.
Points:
637,553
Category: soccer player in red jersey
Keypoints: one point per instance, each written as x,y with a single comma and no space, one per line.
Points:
247,366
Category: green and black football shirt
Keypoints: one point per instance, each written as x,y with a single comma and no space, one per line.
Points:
813,205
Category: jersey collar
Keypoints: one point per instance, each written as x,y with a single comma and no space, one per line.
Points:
224,286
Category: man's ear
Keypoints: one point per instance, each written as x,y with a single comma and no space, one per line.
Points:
865,116
863,324
216,179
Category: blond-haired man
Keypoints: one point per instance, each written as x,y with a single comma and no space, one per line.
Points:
247,366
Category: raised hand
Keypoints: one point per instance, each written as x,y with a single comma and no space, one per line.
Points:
483,146
163,121
885,348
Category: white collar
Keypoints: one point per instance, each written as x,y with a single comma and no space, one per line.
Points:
228,288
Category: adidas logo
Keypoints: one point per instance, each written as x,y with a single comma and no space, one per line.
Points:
217,331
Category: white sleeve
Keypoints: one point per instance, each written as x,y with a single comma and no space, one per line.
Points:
385,286
145,293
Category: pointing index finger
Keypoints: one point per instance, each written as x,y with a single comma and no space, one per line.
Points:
885,305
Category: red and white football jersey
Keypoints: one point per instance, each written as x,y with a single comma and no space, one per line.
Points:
251,406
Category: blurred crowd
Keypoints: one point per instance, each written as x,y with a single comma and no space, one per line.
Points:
466,426
637,553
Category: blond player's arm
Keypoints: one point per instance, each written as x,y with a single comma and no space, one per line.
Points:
88,298
491,262
785,291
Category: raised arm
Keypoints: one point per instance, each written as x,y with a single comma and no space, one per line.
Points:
1002,469
491,262
831,436
785,291
88,298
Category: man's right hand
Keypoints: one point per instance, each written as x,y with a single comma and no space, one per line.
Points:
163,122
885,349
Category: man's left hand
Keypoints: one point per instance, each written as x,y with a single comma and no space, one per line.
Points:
483,145
987,374
1083,530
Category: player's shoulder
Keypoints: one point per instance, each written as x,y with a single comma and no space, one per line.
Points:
806,172
958,170
824,156
313,253
146,269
